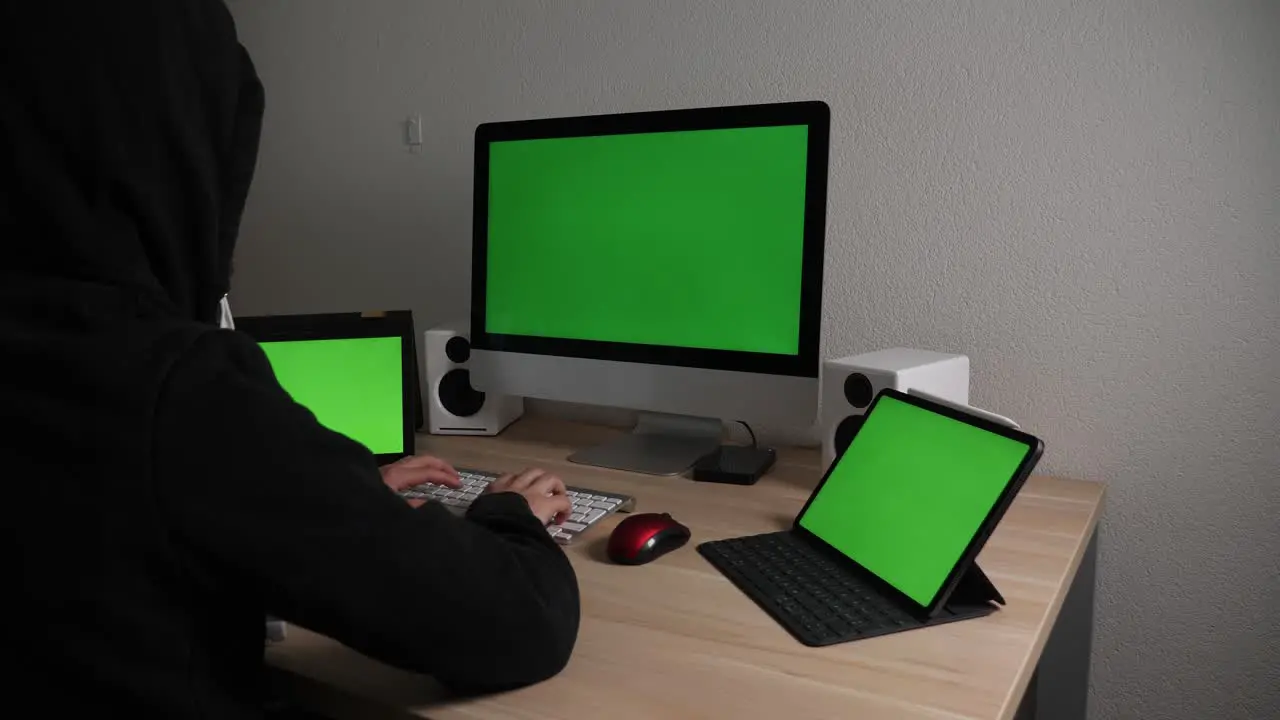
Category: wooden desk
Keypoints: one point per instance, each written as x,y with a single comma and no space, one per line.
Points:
674,639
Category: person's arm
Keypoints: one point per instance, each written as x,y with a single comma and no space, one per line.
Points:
251,481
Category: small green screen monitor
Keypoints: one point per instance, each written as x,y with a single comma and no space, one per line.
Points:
353,385
913,490
355,371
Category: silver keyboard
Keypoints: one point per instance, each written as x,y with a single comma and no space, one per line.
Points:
589,506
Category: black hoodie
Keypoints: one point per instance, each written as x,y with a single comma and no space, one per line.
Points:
161,492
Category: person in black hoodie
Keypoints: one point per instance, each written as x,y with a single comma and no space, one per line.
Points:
161,491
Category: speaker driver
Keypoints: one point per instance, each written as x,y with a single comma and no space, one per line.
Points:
845,431
858,390
458,350
456,394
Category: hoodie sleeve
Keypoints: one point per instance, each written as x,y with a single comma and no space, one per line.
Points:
251,480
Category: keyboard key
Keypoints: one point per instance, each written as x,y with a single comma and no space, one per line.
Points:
840,626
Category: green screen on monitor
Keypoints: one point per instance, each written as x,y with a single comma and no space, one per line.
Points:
353,385
910,493
687,239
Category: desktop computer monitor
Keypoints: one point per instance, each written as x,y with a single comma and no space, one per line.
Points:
667,262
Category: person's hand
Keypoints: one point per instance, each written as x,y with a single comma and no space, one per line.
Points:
417,469
544,492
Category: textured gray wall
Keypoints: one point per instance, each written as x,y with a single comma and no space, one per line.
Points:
1083,197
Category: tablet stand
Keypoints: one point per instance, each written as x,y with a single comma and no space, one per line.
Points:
973,595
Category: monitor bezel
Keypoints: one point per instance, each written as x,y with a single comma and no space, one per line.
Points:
805,363
352,326
1035,449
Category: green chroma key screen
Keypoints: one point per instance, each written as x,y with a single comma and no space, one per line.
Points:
910,492
352,385
685,239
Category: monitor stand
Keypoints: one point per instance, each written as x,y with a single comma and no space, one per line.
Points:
658,445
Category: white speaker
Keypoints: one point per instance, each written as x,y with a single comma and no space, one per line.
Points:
849,385
454,406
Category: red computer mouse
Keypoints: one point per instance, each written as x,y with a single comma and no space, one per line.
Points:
646,537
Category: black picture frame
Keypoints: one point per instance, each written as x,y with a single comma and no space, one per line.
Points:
966,564
350,325
814,114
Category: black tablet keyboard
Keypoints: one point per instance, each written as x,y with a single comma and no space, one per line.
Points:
818,601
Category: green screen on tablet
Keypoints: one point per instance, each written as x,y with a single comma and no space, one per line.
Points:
909,494
353,385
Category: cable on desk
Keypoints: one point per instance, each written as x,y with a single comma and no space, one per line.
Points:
750,432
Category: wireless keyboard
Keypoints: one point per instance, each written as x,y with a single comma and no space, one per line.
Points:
819,602
589,506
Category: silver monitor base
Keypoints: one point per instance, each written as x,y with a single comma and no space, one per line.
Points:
659,445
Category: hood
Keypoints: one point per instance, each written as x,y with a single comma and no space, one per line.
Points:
128,139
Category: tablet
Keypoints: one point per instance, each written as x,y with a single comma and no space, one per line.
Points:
356,372
916,494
